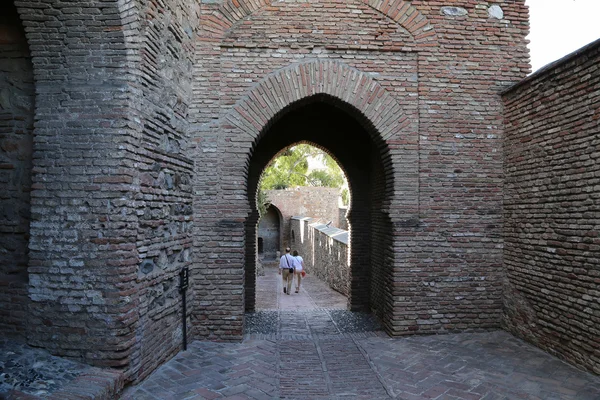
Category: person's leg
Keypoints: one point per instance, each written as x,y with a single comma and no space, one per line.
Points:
284,274
298,281
289,282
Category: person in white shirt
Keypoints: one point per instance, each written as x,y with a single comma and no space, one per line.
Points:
285,263
298,270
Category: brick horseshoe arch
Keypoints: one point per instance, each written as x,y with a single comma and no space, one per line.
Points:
261,106
357,93
402,12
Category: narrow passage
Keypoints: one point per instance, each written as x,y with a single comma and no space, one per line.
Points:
314,335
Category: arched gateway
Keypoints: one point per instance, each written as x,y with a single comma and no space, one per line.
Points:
153,120
350,115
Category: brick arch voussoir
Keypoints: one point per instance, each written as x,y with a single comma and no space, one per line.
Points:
402,12
266,101
253,113
407,16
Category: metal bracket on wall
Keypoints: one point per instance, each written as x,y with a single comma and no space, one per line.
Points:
184,281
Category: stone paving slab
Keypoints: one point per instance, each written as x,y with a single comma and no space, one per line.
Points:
302,346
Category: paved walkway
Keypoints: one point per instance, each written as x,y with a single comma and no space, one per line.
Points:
307,346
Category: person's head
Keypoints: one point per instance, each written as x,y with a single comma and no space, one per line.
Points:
295,253
287,249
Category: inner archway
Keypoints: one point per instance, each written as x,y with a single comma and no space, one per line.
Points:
269,233
344,133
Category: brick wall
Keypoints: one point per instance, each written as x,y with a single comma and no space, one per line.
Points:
82,229
324,251
552,209
425,163
318,202
17,98
164,177
111,212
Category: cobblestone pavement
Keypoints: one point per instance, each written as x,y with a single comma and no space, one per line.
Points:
307,346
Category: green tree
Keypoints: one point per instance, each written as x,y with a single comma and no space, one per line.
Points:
291,169
262,202
345,196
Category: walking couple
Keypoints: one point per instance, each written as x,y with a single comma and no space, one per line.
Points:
288,267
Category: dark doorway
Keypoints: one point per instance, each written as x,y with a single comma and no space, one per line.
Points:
261,246
269,234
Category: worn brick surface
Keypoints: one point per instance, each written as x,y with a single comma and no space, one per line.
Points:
111,213
552,209
82,231
163,178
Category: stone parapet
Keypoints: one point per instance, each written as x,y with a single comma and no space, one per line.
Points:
324,250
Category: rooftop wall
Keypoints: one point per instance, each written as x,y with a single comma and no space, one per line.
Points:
552,209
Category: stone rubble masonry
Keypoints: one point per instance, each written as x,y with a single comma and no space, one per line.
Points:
324,251
318,202
17,95
164,175
111,205
552,209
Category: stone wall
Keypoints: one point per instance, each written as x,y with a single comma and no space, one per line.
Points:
343,221
17,99
324,251
552,209
318,202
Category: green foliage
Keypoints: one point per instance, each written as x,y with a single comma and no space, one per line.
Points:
320,177
345,196
290,169
262,202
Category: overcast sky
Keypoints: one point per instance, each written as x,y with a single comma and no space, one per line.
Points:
559,27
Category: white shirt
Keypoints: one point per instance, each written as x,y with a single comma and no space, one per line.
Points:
286,261
299,263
